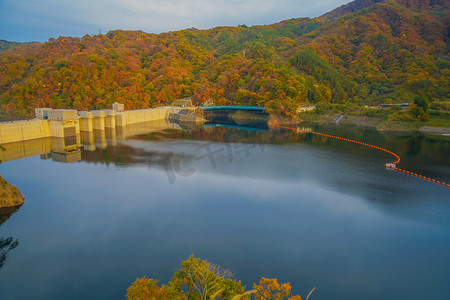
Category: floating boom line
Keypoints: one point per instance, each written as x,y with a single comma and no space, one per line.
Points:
390,165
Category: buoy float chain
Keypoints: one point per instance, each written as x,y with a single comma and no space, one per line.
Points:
392,165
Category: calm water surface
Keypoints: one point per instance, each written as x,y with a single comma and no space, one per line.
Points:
272,203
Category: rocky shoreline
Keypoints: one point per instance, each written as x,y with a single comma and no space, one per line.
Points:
10,195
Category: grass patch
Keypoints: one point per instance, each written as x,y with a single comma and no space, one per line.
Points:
438,119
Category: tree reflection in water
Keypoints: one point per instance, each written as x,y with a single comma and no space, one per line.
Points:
7,243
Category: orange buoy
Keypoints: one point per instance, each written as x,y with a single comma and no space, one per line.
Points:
392,165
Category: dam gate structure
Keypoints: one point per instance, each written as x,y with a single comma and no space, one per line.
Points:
63,130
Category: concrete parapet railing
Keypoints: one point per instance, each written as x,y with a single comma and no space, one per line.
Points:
62,114
85,114
109,112
98,113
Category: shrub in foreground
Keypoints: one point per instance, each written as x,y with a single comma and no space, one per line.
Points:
201,280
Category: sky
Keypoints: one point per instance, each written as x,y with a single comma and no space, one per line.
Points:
39,20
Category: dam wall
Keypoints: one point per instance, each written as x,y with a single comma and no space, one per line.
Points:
142,115
67,122
18,131
116,118
58,134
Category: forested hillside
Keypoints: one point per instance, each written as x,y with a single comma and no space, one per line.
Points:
5,45
366,52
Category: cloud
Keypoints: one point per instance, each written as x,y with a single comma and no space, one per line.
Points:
87,16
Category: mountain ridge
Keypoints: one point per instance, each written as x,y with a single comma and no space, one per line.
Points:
365,52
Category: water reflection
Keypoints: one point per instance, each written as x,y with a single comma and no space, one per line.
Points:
65,150
299,207
343,167
167,147
7,243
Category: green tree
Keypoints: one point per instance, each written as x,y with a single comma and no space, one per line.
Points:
200,279
419,108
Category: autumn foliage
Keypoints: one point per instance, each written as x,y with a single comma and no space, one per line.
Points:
271,289
199,279
367,52
144,289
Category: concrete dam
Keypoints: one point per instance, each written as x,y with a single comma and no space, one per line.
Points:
59,133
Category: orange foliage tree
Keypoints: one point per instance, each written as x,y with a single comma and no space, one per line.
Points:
200,280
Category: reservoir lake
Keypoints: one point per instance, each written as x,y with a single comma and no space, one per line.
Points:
260,201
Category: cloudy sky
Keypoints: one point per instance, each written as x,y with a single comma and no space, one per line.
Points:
39,20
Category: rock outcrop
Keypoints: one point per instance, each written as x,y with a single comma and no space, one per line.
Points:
9,195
